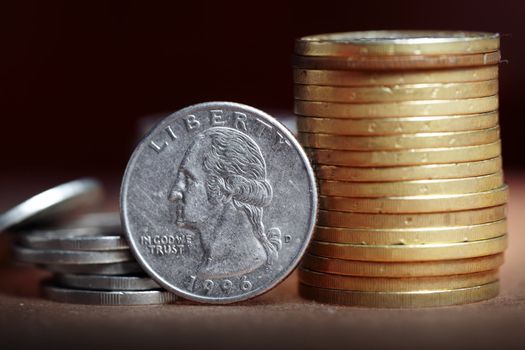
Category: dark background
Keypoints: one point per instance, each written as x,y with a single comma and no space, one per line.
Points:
75,76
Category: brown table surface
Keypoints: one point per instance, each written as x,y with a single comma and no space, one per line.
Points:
277,319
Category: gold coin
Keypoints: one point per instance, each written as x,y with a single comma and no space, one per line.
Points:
402,269
419,252
389,63
404,173
417,204
396,109
401,299
373,78
399,42
411,188
402,221
395,284
402,141
396,93
418,156
420,235
396,126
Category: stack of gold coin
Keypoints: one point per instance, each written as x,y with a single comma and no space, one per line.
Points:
402,129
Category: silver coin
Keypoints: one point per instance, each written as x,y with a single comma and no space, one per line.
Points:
101,282
47,256
218,202
121,268
107,220
53,203
74,239
92,297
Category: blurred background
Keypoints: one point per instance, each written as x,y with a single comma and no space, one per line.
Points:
76,76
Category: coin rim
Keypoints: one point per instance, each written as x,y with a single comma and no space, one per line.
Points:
306,124
398,93
404,299
391,284
50,291
345,235
412,158
333,77
404,141
365,218
34,256
415,252
96,240
104,282
396,109
381,189
425,168
122,268
396,63
411,42
315,263
418,204
43,201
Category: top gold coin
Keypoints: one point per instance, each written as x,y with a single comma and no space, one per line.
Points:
397,43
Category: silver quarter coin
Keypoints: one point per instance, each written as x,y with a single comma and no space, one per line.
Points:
53,203
46,256
101,282
92,297
74,239
108,221
218,202
121,268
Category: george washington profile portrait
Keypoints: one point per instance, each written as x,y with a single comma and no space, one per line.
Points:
220,193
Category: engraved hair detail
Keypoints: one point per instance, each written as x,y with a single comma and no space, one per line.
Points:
236,171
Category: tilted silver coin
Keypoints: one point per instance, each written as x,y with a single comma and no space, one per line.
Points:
101,282
74,239
53,203
120,268
96,297
218,202
47,256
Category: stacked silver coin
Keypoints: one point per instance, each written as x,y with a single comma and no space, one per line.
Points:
88,256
